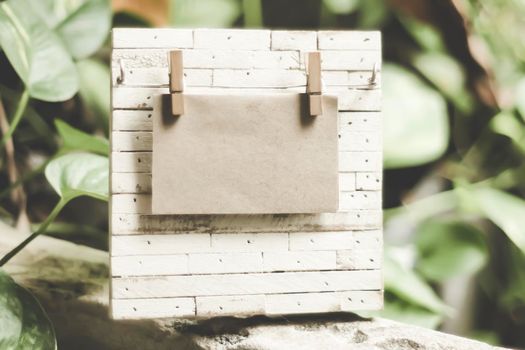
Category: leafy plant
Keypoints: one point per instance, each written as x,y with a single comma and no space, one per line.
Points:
25,324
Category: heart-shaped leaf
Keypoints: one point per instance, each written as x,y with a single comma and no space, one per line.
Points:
24,324
77,140
79,174
83,25
36,52
449,249
415,117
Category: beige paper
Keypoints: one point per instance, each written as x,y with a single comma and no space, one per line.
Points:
245,154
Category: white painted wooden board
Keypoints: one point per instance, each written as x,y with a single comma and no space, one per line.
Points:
214,265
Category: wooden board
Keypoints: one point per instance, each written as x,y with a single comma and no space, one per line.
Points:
216,265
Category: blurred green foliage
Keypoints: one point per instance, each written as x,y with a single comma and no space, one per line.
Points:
454,136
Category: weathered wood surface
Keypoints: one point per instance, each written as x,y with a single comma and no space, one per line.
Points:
245,264
71,282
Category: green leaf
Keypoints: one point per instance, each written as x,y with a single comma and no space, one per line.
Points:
36,52
402,311
24,324
450,249
505,123
83,25
341,7
372,14
415,117
505,210
447,75
427,36
94,89
208,13
79,174
406,285
77,140
520,97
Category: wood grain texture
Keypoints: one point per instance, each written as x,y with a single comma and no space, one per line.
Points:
212,265
245,284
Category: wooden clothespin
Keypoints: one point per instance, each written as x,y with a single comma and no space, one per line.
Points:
313,88
176,82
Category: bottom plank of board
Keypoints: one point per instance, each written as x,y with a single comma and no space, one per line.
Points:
247,305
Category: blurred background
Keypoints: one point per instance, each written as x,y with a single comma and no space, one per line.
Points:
453,85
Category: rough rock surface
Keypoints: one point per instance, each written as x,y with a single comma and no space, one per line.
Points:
71,281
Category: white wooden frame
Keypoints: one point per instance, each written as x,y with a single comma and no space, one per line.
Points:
202,266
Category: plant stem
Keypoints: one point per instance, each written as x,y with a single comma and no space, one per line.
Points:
20,109
42,228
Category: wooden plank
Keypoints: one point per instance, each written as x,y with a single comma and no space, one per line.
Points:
149,38
136,162
131,203
225,263
153,244
359,141
360,161
125,141
132,120
232,38
294,40
349,40
347,182
238,305
356,99
359,200
339,240
150,244
130,224
145,265
348,99
360,121
141,182
369,181
196,77
159,77
361,300
355,79
350,60
140,120
258,78
152,308
246,284
299,261
140,162
302,303
372,239
359,259
249,242
207,59
312,241
130,183
140,203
